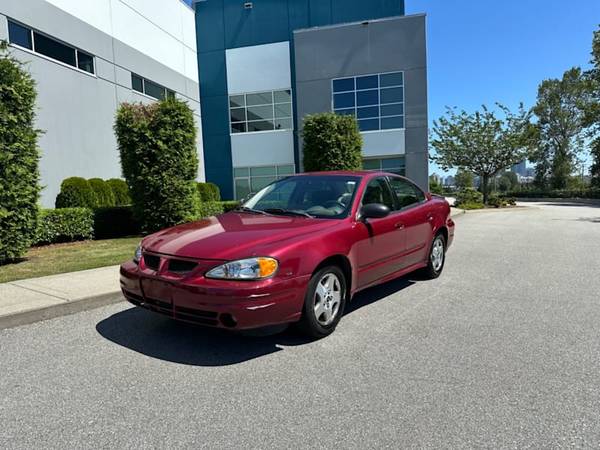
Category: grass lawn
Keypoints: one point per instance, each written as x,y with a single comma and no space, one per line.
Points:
61,258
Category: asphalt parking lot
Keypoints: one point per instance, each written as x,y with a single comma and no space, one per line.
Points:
503,350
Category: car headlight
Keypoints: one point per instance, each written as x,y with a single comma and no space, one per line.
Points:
137,256
245,269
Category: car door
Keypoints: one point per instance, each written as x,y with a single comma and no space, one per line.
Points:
414,214
381,241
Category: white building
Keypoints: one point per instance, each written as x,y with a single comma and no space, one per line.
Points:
88,56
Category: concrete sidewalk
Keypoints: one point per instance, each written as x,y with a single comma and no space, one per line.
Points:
28,301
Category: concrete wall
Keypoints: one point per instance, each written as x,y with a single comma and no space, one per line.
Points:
76,109
378,46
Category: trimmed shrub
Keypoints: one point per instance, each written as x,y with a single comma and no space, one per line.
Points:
230,205
19,158
115,222
209,192
104,194
566,193
76,192
472,205
468,195
331,142
120,191
157,144
208,209
65,225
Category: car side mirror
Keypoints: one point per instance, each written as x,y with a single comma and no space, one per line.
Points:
374,211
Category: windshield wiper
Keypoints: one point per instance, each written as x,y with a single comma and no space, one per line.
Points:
290,212
252,210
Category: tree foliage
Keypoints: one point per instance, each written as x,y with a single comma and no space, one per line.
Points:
481,142
560,112
331,142
435,187
19,158
76,192
120,191
104,194
464,179
592,110
157,144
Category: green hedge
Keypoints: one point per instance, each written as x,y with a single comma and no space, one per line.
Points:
208,209
159,159
566,193
19,157
209,192
64,225
104,194
331,142
115,222
120,191
470,196
76,192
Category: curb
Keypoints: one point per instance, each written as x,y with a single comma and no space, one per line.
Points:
59,310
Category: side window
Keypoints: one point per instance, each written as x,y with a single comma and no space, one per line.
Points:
378,191
406,192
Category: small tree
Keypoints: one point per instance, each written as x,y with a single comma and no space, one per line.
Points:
331,142
463,179
481,142
560,111
19,158
157,144
435,187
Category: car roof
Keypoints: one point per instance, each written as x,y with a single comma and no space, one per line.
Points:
359,173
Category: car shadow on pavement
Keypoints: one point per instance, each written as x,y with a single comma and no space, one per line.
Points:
159,337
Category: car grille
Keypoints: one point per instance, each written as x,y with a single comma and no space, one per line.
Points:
151,261
198,316
179,266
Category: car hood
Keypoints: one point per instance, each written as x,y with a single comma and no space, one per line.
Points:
231,236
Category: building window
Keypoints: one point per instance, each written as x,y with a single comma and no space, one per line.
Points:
261,111
377,101
150,88
253,179
393,165
44,45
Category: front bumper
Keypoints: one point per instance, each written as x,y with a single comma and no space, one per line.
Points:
217,303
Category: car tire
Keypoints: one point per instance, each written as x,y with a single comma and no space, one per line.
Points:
324,302
436,257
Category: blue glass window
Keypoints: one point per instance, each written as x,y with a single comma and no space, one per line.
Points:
377,100
368,124
20,35
366,98
369,111
368,82
343,100
392,95
343,85
389,123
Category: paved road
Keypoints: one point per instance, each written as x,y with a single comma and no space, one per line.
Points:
502,351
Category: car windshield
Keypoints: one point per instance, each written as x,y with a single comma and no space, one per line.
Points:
323,196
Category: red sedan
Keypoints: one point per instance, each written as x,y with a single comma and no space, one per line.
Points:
297,251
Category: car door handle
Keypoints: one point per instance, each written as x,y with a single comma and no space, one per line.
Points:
430,217
399,225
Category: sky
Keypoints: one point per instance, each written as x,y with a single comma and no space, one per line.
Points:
483,51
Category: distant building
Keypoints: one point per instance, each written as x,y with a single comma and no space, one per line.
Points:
520,168
449,181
